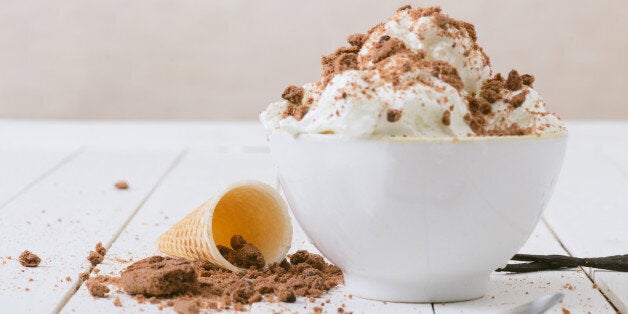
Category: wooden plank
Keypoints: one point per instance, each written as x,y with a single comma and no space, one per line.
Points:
506,291
63,216
20,168
615,287
198,176
222,136
588,209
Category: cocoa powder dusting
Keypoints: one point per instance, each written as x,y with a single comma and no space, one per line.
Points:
28,259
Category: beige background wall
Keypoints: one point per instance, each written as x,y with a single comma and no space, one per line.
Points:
226,59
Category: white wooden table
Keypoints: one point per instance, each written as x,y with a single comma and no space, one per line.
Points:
57,200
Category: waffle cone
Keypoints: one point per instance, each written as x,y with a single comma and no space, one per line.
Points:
251,209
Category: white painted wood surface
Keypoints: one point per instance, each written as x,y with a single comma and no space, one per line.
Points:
67,169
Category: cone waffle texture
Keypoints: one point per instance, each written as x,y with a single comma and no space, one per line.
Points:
252,209
188,237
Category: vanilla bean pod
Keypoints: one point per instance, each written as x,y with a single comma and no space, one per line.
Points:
555,262
529,267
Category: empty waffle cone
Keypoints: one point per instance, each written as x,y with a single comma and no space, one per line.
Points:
251,209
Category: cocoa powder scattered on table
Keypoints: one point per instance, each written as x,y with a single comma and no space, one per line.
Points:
189,286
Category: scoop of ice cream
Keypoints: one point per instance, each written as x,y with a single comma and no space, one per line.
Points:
419,74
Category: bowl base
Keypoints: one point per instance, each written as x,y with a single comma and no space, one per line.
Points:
460,288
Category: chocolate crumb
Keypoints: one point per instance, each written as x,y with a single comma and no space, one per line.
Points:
96,288
121,185
237,242
405,7
491,89
357,39
565,311
444,22
242,254
447,73
157,275
84,276
293,94
385,48
512,130
95,258
331,67
517,100
186,307
346,61
287,296
393,115
101,249
446,118
116,302
514,81
527,79
298,112
28,259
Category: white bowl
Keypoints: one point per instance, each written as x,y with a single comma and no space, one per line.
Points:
418,220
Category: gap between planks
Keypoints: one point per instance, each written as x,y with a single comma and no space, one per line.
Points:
64,161
70,293
586,273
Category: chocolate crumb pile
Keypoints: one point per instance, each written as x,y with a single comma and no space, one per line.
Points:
189,286
242,254
28,259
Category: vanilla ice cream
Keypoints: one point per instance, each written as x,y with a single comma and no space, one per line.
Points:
419,74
